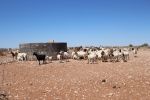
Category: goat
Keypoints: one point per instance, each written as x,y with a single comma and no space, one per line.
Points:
82,54
40,57
126,55
59,57
14,55
104,56
92,57
134,52
117,55
49,58
22,56
66,56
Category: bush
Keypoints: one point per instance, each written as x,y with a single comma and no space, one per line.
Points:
130,45
144,45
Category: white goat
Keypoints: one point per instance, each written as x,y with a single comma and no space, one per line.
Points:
59,57
49,58
21,56
126,55
92,57
135,52
82,54
66,56
99,54
74,55
117,55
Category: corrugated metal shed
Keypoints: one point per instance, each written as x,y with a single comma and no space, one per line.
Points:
50,49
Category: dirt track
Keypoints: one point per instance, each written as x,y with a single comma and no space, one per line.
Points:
77,80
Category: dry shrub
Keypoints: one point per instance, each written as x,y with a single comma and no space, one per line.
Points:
2,54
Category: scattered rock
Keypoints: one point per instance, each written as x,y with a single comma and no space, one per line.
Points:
103,80
110,94
114,87
147,83
31,83
129,77
76,92
3,95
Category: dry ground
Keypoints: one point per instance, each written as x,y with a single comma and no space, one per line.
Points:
77,80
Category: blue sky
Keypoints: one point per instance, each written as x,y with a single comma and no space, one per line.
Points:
77,22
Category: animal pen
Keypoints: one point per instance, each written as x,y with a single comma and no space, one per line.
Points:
50,49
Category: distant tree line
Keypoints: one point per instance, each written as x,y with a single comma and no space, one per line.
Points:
142,45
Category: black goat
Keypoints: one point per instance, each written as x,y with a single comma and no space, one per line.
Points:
14,55
40,57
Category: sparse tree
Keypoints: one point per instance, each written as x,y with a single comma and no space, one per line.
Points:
130,45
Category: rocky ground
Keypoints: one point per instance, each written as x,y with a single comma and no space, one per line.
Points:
77,80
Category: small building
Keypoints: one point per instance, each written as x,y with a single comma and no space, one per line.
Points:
4,49
50,49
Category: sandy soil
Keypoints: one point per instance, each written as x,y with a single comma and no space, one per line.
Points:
77,80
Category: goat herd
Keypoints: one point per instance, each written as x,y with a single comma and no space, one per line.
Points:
92,55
